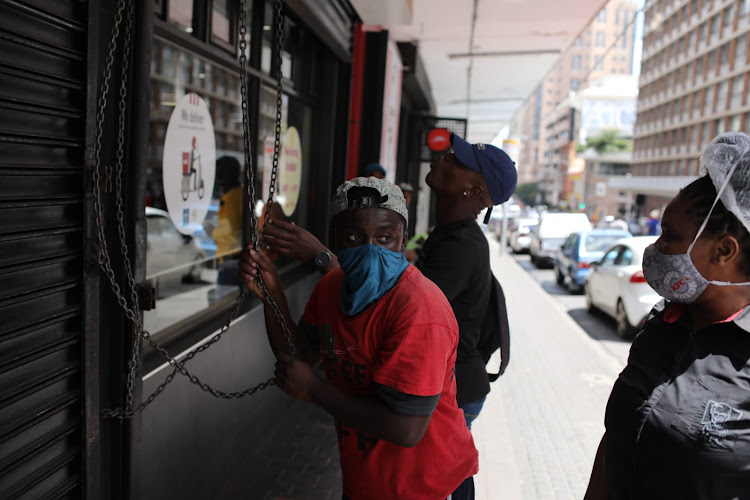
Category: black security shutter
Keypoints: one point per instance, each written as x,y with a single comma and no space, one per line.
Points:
42,135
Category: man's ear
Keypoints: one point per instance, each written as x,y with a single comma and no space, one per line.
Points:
475,191
404,240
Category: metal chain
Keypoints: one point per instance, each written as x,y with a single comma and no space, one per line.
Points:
135,351
250,175
133,313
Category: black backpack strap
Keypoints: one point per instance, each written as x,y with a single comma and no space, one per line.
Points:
497,298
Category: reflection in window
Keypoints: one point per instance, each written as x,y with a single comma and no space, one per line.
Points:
181,14
191,272
222,25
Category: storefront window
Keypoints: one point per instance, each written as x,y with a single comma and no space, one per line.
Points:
181,14
222,29
194,195
293,176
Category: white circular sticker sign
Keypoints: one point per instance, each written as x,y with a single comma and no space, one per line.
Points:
290,172
189,163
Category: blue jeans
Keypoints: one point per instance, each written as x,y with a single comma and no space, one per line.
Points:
471,410
465,491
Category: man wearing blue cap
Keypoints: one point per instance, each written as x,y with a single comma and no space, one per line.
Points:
374,170
456,255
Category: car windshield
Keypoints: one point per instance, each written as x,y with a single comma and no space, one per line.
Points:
599,242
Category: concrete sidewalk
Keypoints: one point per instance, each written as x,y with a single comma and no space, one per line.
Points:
537,434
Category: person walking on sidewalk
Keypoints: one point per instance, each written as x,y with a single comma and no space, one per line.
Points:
456,255
678,418
387,338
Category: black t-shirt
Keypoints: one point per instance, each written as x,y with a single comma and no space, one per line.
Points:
678,418
456,257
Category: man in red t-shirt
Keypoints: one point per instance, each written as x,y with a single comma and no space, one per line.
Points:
387,337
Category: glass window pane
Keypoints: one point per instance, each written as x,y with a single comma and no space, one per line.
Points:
193,242
222,22
181,14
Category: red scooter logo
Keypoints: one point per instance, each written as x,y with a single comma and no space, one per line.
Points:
190,173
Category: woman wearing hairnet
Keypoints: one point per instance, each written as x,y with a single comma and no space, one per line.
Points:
678,418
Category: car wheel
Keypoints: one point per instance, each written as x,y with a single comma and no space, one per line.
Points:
624,329
573,288
194,273
559,278
590,307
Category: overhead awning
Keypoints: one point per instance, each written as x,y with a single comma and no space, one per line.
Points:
483,57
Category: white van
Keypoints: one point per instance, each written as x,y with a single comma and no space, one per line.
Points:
550,234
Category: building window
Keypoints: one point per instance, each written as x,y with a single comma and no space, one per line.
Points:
181,14
617,16
715,22
602,16
223,26
575,62
598,63
734,123
600,39
738,85
721,94
720,126
724,54
739,51
711,65
706,133
704,30
728,15
575,84
708,106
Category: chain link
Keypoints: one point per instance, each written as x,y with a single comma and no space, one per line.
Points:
133,312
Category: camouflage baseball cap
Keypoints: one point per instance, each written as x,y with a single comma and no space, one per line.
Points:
391,196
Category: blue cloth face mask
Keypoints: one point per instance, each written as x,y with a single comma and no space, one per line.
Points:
369,272
675,277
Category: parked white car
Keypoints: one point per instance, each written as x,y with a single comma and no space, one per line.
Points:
519,239
616,286
170,255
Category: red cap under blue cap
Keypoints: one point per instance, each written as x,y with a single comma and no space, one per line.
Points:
498,170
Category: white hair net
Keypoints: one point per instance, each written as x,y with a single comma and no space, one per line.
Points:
727,162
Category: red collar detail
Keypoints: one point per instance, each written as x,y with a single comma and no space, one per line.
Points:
675,310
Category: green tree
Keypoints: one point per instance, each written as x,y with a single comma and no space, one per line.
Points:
527,193
609,140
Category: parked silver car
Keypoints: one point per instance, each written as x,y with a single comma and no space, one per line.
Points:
549,235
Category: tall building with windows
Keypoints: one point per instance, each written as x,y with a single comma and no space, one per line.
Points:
693,86
604,47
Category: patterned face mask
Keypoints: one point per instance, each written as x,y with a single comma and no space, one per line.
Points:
675,277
